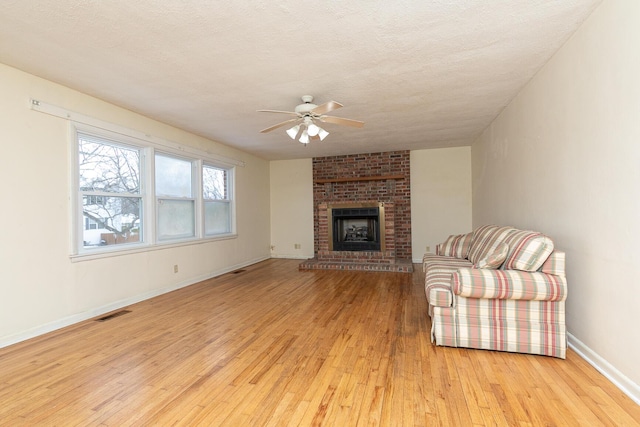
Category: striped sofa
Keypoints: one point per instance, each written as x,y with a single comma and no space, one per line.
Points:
498,288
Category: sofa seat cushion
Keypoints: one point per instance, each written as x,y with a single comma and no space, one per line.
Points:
528,250
434,263
486,239
439,261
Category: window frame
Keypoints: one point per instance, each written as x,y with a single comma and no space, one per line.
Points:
229,200
149,209
164,197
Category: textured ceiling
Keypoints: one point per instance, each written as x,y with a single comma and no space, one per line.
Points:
420,73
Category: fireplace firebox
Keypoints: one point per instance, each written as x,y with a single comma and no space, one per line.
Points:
356,228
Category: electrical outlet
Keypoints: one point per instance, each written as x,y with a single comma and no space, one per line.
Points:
428,248
273,247
297,246
175,268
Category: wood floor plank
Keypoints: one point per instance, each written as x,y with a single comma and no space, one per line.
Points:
276,346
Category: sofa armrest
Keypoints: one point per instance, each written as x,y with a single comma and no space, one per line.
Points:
508,284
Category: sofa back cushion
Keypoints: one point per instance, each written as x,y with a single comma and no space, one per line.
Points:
528,250
554,264
456,246
485,241
494,259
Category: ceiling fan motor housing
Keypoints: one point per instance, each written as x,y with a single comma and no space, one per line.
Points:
307,106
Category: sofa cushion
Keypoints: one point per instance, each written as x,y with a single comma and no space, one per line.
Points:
486,239
554,264
495,258
528,250
438,272
456,246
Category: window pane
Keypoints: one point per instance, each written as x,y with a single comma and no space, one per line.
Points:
214,183
113,221
176,219
216,218
108,168
173,177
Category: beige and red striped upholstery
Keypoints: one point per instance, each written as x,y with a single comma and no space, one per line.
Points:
527,250
521,326
486,239
508,284
456,246
554,264
495,258
517,308
438,274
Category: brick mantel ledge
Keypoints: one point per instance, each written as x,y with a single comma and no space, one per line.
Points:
360,178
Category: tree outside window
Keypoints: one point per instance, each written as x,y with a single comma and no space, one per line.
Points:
109,183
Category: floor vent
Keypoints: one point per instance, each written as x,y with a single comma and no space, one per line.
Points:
113,315
238,271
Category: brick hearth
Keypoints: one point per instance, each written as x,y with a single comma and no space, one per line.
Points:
364,178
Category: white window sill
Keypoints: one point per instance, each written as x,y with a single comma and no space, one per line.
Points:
105,252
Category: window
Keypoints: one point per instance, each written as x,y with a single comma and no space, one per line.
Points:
132,192
175,201
94,200
217,203
109,182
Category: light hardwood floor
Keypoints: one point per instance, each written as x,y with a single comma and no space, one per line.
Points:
275,346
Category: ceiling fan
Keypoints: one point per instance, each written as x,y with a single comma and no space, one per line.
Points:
307,114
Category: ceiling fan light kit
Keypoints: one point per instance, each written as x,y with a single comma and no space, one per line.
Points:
322,134
293,132
304,138
313,129
308,113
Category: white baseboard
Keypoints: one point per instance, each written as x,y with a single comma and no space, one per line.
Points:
627,386
94,312
284,256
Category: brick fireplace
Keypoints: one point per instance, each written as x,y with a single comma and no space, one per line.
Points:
371,181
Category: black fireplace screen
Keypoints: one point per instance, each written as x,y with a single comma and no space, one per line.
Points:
356,229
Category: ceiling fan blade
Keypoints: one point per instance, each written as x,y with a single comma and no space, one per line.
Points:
269,129
314,137
341,121
278,111
326,107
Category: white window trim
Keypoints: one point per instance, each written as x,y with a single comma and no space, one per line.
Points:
194,198
230,190
148,148
77,119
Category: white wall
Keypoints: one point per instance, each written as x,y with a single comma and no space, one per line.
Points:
440,201
40,288
564,158
291,208
440,196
